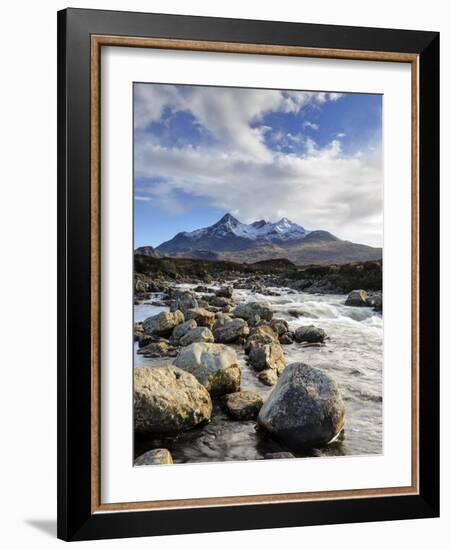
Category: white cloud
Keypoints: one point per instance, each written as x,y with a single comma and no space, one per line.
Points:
311,125
321,189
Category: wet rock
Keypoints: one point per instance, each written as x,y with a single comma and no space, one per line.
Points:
155,456
305,409
287,338
225,292
260,336
214,365
180,331
198,334
202,316
184,300
243,405
280,326
202,288
251,309
268,356
219,301
233,330
137,331
168,399
280,454
146,339
268,377
310,334
357,298
163,323
375,301
158,349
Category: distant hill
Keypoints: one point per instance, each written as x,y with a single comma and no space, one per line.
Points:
149,251
233,241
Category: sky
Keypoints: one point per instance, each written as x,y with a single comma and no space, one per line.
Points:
201,151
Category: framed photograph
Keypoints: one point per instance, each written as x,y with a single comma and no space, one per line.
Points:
248,274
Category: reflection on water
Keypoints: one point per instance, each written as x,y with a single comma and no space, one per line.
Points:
352,356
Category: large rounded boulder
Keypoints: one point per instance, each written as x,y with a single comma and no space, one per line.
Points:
168,400
310,334
214,365
163,323
357,298
305,409
253,309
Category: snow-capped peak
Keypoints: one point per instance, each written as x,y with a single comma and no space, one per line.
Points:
283,230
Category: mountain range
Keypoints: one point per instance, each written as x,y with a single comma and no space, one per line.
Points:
229,239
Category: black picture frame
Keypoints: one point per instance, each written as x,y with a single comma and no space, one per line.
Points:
76,521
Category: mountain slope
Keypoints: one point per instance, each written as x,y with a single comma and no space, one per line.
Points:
231,240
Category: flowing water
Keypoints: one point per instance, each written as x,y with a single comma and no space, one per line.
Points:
353,356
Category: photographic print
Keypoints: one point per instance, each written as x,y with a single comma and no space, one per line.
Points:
258,232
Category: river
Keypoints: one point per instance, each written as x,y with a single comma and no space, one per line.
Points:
353,356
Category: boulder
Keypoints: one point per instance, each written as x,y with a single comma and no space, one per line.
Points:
252,309
229,331
163,323
280,326
202,316
184,300
310,334
198,334
357,298
268,356
243,405
268,377
219,301
225,292
305,409
260,336
181,330
214,365
168,400
155,456
287,338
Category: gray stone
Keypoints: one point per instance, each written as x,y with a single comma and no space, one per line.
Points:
181,330
168,400
155,456
357,298
310,334
268,356
225,292
198,334
305,409
279,325
287,338
229,331
184,300
214,365
243,405
163,323
251,309
268,377
202,316
260,336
